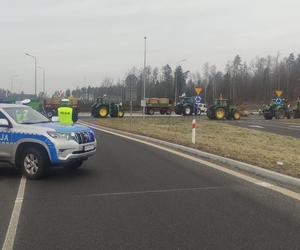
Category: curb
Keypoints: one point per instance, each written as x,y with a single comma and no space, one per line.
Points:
265,173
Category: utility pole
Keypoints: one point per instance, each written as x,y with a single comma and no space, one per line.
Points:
44,84
35,69
145,58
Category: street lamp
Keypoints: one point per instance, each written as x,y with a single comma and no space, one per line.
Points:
12,83
35,66
44,86
145,57
175,83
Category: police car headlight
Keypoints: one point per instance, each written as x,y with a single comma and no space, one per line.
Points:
63,136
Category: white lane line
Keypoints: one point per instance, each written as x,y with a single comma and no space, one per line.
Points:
14,220
255,126
294,126
154,191
244,177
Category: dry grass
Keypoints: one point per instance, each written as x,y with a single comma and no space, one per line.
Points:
255,147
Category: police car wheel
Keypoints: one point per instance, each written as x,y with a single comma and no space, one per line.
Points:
34,163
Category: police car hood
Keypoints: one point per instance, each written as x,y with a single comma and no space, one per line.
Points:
61,128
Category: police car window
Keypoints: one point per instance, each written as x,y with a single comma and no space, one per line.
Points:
2,116
24,115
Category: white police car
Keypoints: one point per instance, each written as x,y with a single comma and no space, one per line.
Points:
32,143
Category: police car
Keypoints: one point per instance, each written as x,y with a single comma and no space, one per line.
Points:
32,143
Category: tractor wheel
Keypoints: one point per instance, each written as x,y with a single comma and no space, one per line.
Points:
121,114
268,116
151,111
280,114
220,113
162,111
236,115
169,112
103,112
210,114
187,110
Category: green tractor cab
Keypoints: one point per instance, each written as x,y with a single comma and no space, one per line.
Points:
34,104
221,109
104,107
278,108
187,106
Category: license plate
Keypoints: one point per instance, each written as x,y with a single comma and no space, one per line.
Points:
89,148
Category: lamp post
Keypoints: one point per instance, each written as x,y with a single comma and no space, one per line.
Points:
44,84
35,68
12,83
175,82
144,94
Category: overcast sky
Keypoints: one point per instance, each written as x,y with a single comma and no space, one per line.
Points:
83,41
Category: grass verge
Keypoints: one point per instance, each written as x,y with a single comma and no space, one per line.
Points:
275,152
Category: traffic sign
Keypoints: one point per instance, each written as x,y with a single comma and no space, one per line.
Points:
278,101
198,99
198,90
278,93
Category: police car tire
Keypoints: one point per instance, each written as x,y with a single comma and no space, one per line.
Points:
43,163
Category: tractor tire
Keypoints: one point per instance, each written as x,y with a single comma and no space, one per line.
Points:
210,114
103,112
162,111
220,113
280,114
169,112
236,115
268,116
151,111
121,114
187,110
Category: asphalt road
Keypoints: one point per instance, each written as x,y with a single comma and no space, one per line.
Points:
281,127
257,122
133,196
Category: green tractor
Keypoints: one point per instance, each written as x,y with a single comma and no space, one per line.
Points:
278,108
104,107
221,109
187,106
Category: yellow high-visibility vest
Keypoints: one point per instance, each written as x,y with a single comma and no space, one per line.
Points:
65,115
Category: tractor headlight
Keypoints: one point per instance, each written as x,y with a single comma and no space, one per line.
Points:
62,136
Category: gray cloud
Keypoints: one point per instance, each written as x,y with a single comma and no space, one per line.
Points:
77,40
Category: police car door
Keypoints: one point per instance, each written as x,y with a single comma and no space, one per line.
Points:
5,141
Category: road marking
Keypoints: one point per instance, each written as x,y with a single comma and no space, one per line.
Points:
294,126
14,220
244,177
154,191
255,126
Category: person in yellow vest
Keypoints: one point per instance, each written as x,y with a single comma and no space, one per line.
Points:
65,114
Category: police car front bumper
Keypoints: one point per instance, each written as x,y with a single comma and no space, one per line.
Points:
71,150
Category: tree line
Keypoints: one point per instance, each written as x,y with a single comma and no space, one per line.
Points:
242,82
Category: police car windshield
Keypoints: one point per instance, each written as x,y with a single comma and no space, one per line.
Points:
25,115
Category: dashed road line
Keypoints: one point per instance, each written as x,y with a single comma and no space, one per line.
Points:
255,126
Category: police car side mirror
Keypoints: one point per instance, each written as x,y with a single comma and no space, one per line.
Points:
4,123
55,119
